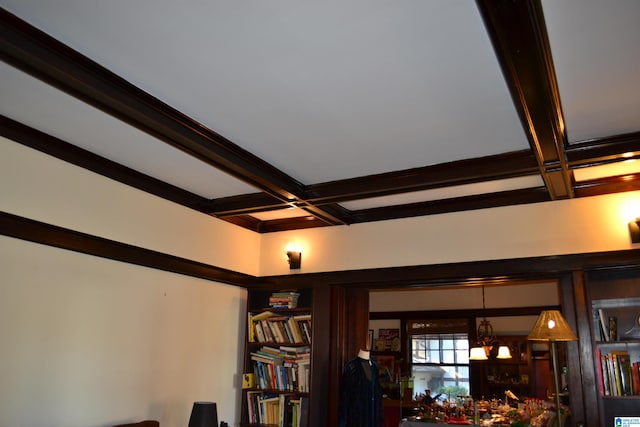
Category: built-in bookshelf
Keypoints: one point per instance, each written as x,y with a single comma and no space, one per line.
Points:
615,313
617,342
277,367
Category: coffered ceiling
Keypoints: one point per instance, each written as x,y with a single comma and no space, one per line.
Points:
283,114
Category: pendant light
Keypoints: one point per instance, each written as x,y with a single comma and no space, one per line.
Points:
486,340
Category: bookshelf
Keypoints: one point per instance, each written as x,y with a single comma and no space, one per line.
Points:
277,361
615,315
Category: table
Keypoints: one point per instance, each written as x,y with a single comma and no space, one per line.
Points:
421,424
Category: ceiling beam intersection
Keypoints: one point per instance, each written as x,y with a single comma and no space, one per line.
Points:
518,33
40,55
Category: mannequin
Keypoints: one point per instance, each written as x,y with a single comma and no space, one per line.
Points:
364,354
360,393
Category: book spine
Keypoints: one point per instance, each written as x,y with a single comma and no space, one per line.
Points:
604,327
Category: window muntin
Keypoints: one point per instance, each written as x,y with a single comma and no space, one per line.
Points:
440,362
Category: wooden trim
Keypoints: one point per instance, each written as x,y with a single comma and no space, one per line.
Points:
459,314
455,204
481,169
518,33
64,238
462,273
608,185
597,151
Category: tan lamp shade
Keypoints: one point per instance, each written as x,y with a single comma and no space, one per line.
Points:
551,326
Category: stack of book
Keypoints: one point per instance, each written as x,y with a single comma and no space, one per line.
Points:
284,300
268,327
282,368
618,375
284,410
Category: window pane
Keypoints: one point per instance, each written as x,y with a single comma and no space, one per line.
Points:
440,362
462,356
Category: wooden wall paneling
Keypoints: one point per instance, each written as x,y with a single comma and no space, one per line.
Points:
350,328
572,306
321,356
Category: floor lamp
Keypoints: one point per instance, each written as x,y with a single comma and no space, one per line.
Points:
552,327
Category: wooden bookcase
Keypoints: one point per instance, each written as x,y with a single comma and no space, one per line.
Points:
277,360
614,297
517,374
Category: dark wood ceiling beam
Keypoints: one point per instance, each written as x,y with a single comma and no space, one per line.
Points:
519,37
468,171
599,151
457,204
244,204
38,54
500,166
608,185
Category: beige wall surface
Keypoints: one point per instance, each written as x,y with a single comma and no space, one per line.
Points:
466,298
88,341
94,342
37,186
590,224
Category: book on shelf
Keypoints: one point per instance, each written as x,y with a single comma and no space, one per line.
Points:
604,326
616,374
284,410
284,300
281,369
279,329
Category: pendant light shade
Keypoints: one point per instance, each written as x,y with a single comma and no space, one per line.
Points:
477,353
503,352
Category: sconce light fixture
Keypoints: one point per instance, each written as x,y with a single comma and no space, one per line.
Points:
634,230
295,259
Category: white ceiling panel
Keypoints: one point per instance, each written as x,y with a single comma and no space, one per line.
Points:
43,107
388,86
335,106
596,53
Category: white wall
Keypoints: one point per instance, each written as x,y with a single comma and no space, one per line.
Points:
590,224
74,341
88,341
93,342
37,186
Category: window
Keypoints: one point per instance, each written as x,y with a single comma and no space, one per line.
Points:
440,357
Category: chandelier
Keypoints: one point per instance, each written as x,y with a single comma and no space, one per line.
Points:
486,341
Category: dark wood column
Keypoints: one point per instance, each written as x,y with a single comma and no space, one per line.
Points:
350,326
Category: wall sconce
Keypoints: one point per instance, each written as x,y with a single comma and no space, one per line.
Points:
295,259
634,230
